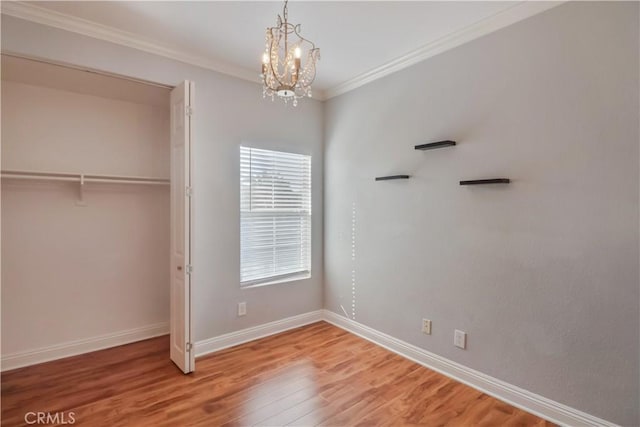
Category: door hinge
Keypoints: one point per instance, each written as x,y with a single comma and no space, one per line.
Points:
189,191
189,268
189,346
189,110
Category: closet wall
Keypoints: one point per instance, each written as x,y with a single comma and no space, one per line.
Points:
95,274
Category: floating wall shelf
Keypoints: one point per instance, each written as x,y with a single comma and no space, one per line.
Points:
486,181
432,145
387,178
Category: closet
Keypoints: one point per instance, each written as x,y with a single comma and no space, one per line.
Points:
86,211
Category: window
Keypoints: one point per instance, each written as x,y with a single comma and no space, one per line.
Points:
275,216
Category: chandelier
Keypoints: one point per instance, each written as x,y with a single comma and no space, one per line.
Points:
283,72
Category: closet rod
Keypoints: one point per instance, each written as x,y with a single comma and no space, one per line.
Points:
126,181
40,177
83,178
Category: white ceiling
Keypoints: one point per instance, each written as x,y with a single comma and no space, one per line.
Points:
355,38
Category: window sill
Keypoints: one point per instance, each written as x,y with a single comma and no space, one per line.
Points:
301,276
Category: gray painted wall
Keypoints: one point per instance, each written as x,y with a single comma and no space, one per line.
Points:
543,273
228,112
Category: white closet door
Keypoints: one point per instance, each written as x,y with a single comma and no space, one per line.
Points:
182,352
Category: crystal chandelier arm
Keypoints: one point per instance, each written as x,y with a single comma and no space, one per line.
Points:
268,72
296,30
274,72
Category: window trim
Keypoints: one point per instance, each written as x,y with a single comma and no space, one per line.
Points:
274,280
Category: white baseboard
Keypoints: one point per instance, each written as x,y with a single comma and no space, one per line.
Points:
245,335
518,397
73,348
530,402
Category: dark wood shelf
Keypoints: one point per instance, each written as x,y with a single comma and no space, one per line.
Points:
387,178
486,181
438,144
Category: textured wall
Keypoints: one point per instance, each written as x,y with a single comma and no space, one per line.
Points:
542,273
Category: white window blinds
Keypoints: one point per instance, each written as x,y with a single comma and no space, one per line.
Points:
275,215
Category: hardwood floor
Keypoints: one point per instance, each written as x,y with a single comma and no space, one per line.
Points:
314,375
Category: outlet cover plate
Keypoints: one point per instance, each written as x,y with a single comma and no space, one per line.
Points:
242,308
426,326
460,339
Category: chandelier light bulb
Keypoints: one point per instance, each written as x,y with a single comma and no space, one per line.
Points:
265,58
297,53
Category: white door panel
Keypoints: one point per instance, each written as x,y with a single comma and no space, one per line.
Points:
180,322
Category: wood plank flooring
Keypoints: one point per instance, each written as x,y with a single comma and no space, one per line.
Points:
314,375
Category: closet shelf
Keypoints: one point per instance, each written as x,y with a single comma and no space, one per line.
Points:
82,179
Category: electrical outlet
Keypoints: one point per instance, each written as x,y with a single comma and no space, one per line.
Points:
242,308
460,339
426,326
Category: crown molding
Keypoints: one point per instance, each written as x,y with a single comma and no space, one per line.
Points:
511,15
40,15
